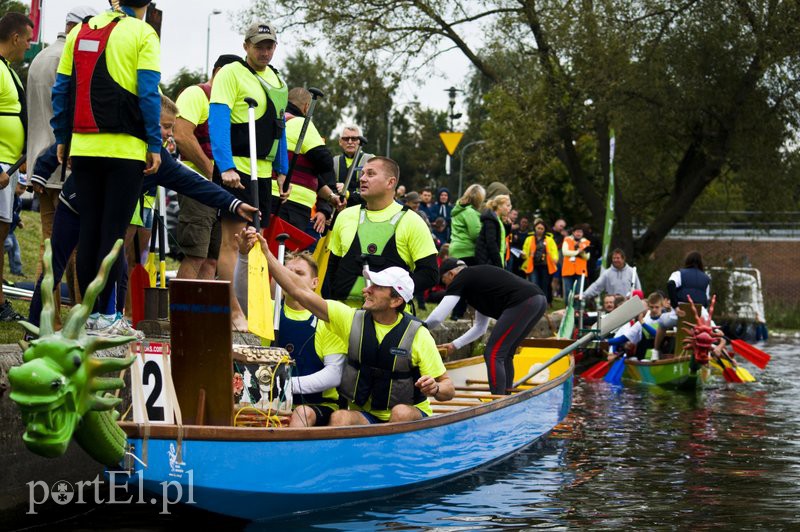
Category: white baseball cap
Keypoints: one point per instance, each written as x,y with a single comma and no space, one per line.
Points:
394,277
78,13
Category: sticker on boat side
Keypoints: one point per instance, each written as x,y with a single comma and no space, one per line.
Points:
151,400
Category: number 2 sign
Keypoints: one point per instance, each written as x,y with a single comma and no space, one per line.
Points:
149,382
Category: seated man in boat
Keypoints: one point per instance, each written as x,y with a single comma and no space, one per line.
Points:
393,365
493,292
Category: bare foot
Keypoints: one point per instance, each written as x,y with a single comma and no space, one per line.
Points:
238,323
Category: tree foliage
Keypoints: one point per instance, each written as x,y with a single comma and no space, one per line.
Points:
184,78
698,91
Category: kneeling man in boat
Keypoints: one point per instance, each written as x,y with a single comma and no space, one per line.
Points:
393,365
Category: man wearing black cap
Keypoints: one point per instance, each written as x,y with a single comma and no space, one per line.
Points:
198,227
516,304
254,77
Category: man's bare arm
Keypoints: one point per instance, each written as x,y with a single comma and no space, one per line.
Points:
189,147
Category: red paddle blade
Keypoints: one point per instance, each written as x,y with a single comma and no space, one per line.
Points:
139,281
730,375
750,353
298,240
598,371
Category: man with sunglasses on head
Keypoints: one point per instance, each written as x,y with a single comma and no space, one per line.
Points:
348,141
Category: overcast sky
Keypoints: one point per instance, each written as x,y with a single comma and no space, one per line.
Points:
184,33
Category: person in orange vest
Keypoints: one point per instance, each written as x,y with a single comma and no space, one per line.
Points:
575,258
540,257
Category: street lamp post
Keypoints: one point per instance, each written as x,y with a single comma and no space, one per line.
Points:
208,39
461,165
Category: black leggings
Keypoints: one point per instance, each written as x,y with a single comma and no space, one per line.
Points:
511,328
108,190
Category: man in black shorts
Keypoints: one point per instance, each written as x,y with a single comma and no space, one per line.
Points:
515,303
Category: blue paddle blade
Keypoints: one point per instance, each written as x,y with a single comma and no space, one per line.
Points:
614,375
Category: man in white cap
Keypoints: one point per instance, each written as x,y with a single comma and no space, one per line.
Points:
41,78
393,365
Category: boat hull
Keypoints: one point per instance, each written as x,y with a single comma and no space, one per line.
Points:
674,372
236,472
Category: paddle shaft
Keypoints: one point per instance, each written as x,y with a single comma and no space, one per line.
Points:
613,321
14,167
162,243
251,134
278,290
352,169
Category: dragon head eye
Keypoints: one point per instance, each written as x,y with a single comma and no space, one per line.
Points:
77,361
56,384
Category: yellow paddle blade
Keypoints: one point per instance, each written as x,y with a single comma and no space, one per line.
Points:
321,256
259,300
162,266
745,375
150,266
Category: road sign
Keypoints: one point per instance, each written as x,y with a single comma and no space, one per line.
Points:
450,140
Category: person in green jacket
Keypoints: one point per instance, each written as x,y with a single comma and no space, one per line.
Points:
466,224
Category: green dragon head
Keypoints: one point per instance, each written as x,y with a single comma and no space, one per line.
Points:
59,380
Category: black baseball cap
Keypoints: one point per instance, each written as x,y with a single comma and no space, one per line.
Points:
448,264
225,59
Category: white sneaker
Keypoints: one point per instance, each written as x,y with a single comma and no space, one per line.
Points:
654,354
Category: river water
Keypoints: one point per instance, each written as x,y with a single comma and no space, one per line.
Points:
632,457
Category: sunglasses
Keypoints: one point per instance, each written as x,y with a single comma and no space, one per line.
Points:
350,139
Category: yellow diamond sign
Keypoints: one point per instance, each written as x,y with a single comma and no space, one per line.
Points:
450,140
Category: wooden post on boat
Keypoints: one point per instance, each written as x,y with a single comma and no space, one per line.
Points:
201,350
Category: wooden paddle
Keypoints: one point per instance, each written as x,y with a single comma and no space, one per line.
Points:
259,304
613,321
751,353
139,281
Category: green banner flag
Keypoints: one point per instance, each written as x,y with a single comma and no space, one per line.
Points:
609,227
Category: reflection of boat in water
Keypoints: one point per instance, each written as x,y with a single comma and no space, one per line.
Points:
262,473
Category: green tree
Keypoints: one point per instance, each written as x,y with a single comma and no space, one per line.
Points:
184,78
696,91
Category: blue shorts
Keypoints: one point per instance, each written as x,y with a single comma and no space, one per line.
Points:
374,420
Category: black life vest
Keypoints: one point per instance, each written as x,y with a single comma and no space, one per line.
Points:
297,337
379,251
269,126
23,104
694,283
381,372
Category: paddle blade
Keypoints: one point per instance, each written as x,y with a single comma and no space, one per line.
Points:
259,302
598,371
139,281
321,256
614,375
621,315
150,268
568,323
751,353
298,240
745,375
